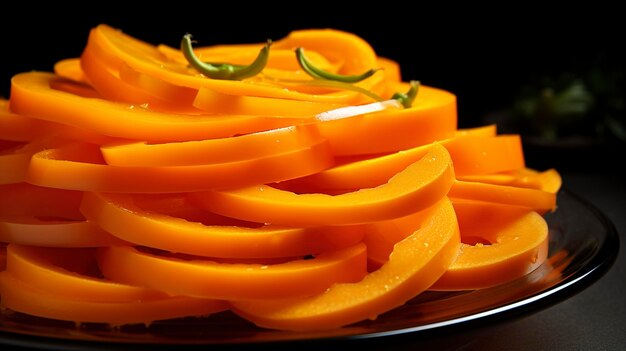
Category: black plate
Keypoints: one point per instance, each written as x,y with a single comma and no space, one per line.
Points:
583,245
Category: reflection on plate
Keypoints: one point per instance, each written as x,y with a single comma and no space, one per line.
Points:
583,245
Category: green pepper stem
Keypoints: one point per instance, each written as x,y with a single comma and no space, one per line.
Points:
319,73
224,70
406,99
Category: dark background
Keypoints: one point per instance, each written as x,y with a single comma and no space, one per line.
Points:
482,54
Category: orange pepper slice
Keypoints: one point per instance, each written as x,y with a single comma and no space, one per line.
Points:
70,69
169,95
282,66
348,174
381,236
241,148
53,233
75,88
233,281
538,200
334,45
15,127
14,162
180,97
183,97
80,166
484,155
108,82
418,186
145,58
21,297
117,47
432,118
516,244
243,54
122,120
67,273
21,128
22,200
548,181
122,83
32,215
416,263
391,69
122,216
218,103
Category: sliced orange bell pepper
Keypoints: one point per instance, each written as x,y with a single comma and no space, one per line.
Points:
241,148
217,182
109,84
183,96
418,186
416,263
14,162
348,174
510,246
68,273
391,69
80,166
70,69
24,298
355,54
432,118
53,233
142,57
122,216
75,88
483,155
21,128
15,127
243,54
217,103
123,120
381,236
24,200
538,200
393,77
233,281
177,97
484,131
548,181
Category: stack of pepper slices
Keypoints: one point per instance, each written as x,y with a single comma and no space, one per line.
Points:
299,184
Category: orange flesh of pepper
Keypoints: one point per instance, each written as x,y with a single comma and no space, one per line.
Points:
415,264
418,186
234,281
514,247
123,217
24,298
245,195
